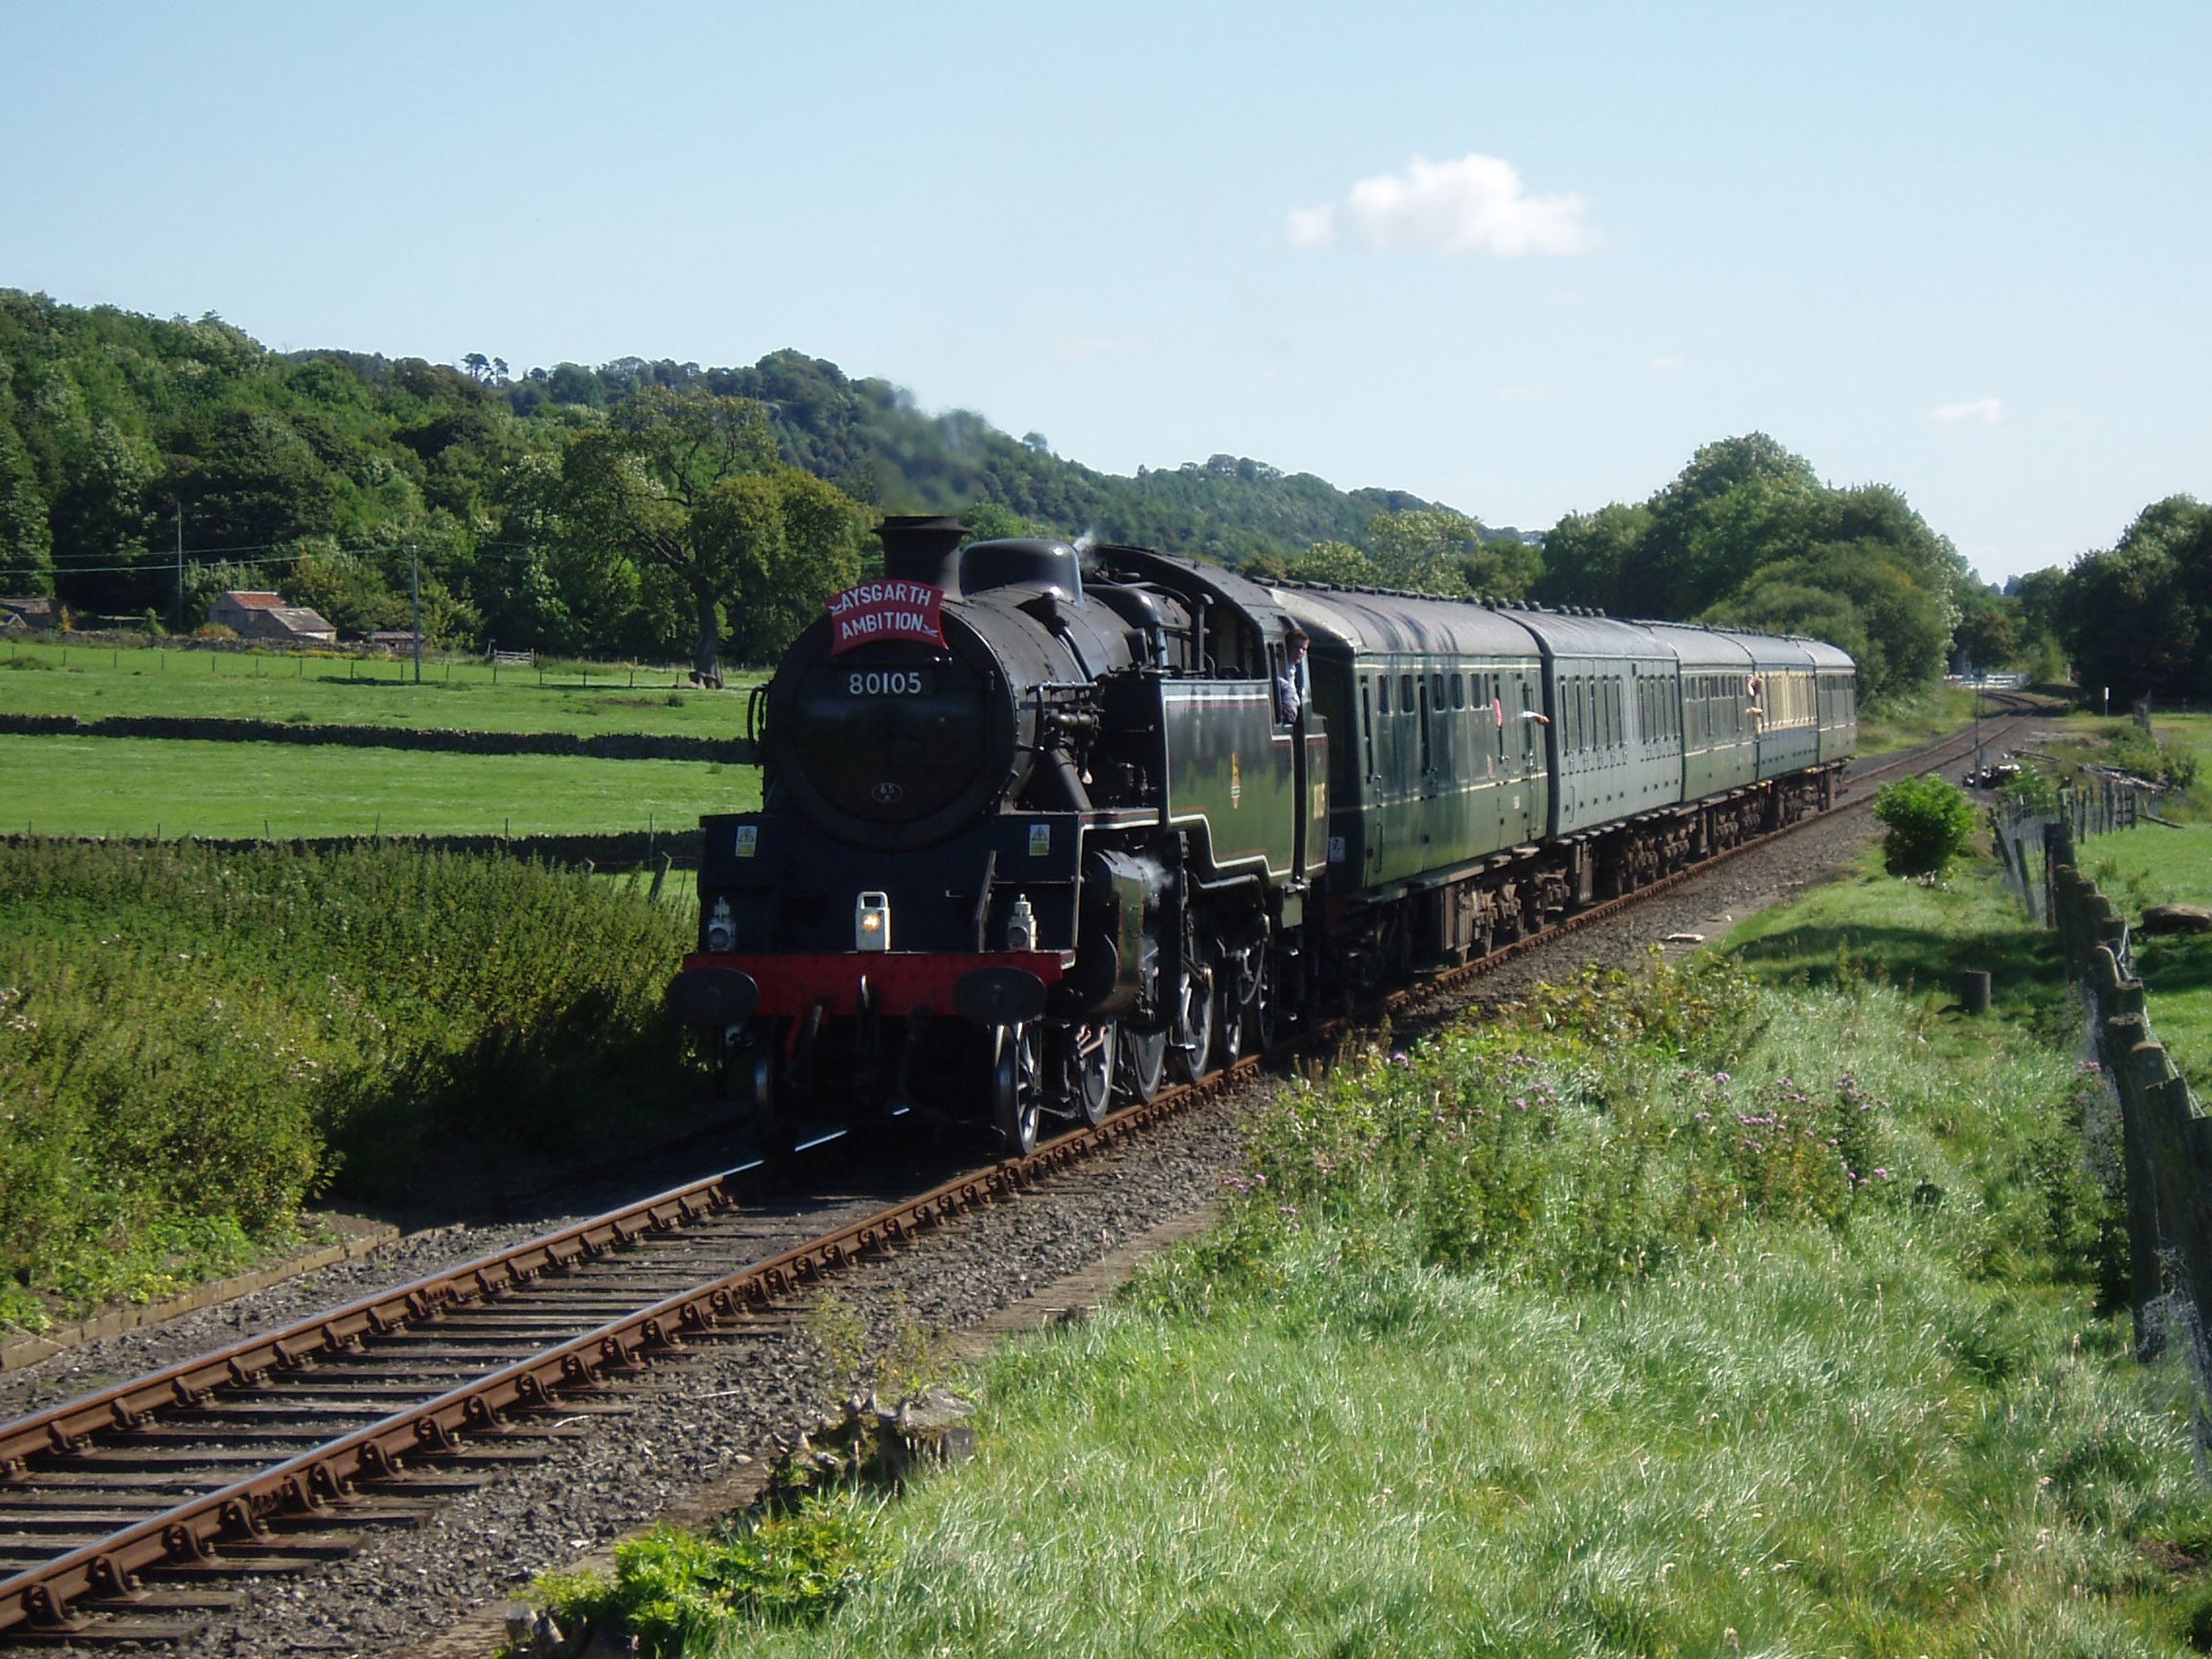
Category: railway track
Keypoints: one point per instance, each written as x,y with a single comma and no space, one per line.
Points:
135,1513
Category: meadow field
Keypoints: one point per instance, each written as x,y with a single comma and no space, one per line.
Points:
93,683
175,788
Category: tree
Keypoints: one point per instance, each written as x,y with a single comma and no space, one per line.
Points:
25,538
685,487
1988,631
1338,563
640,487
2138,619
1426,550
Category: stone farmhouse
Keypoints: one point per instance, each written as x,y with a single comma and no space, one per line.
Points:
26,613
266,616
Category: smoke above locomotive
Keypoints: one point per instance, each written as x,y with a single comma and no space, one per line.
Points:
1043,825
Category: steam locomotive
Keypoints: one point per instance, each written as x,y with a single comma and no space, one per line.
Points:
1043,828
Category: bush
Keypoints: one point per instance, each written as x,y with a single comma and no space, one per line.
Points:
1928,823
673,1588
193,1042
2164,764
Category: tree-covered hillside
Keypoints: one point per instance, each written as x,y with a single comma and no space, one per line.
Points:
326,474
662,509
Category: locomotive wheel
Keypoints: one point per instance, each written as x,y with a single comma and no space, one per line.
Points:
1194,1036
1017,1086
1143,1065
1228,1012
1093,1059
1266,1016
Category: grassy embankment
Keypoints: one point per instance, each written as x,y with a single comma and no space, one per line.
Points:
191,1044
1755,1311
93,683
1902,722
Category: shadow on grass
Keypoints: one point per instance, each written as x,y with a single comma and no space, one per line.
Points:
2023,961
2175,965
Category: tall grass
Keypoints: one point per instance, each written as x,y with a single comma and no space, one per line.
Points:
1674,1316
193,1042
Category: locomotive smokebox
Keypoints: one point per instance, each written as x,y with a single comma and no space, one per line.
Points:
923,548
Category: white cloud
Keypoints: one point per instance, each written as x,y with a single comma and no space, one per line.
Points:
1668,364
1982,411
1474,205
1524,394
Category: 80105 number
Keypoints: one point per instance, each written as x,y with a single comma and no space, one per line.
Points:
887,682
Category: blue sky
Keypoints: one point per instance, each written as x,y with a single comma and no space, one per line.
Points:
1521,259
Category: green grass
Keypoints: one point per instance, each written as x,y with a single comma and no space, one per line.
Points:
2149,865
1755,1309
146,786
1903,722
1920,938
193,1042
95,682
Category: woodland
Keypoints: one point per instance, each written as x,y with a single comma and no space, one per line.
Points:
656,510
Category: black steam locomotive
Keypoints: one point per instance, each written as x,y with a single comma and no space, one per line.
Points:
1042,827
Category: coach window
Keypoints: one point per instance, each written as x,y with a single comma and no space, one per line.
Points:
1427,763
1459,691
1381,694
1367,724
1405,694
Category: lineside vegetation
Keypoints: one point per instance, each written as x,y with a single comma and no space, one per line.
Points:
193,1044
1758,1306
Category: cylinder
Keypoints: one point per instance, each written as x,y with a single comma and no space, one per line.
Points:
1974,991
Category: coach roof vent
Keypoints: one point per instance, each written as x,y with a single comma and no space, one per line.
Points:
923,548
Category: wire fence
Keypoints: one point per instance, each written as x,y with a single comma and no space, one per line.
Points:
2165,1140
2100,807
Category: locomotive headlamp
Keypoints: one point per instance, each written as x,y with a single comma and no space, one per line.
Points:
872,922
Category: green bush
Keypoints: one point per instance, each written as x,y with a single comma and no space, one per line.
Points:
2166,764
1928,823
673,1588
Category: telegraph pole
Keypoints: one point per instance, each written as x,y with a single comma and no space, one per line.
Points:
415,606
179,564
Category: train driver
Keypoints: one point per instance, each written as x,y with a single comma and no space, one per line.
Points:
1291,686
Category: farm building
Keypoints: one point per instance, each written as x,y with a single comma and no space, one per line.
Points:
266,616
25,613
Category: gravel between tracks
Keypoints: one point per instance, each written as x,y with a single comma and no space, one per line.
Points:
695,1419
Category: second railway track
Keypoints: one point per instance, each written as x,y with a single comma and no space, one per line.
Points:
138,1512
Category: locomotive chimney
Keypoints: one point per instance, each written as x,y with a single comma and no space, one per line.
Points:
923,548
